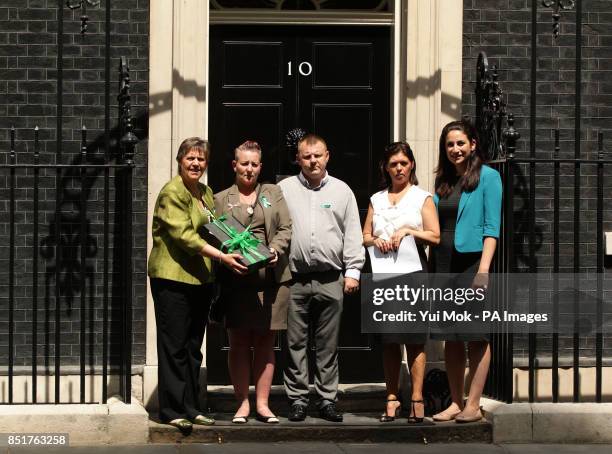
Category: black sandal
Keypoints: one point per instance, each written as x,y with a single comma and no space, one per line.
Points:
385,417
413,418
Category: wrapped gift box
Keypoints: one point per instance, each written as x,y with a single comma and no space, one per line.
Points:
228,235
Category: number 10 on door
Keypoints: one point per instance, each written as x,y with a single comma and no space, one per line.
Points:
304,68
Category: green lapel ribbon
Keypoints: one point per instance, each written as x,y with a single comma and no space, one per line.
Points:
243,242
265,202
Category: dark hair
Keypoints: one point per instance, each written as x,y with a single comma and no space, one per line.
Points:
311,139
189,144
446,173
391,150
247,145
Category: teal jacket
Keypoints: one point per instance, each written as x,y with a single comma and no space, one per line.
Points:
479,213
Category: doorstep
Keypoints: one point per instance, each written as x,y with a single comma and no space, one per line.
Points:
353,398
356,428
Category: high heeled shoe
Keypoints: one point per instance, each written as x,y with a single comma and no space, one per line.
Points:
385,416
413,418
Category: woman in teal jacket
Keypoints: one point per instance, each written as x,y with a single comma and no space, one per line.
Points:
468,197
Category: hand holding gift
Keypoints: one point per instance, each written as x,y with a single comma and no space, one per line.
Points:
230,236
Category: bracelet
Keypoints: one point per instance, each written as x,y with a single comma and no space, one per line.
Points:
218,256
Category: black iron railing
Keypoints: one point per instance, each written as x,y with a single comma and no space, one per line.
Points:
59,255
523,227
68,220
555,165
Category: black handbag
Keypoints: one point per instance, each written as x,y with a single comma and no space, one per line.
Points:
216,313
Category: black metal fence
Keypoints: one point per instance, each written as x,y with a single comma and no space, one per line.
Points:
68,220
532,207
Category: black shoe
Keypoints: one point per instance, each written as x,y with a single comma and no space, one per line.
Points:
385,417
413,418
267,419
297,413
330,413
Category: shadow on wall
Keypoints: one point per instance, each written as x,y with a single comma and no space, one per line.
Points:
162,102
522,223
77,194
72,273
428,86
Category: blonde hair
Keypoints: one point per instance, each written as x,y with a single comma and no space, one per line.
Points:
247,145
311,139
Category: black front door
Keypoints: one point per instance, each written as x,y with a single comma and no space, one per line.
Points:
334,81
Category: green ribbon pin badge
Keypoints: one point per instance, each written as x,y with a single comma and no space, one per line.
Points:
265,202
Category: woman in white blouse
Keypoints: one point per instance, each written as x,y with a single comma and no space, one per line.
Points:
402,209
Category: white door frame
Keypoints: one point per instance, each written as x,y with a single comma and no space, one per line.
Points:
427,56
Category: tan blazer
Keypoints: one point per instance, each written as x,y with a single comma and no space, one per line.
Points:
176,243
276,219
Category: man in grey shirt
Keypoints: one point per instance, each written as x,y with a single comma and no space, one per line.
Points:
326,240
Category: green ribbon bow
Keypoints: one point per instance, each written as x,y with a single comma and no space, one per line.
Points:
265,202
244,242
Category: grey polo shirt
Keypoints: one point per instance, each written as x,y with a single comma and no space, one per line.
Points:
326,228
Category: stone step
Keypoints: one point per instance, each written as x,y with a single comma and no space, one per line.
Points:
355,398
356,428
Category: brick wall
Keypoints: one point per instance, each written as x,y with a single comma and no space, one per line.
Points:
502,28
28,78
28,98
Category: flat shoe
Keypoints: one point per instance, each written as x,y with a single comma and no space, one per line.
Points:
443,416
473,418
267,419
182,424
203,420
240,419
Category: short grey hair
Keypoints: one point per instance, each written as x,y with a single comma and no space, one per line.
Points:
191,143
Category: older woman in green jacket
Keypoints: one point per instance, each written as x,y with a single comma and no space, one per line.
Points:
180,272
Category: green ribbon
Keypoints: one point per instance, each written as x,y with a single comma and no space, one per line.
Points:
244,242
265,202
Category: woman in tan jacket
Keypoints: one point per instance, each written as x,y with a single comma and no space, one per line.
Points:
255,304
179,269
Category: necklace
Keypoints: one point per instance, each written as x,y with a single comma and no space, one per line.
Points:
250,201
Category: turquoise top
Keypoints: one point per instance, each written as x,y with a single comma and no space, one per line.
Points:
479,214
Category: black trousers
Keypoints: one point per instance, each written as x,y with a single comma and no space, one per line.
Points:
181,314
